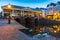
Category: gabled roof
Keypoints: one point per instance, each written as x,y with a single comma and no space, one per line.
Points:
37,9
51,4
22,7
15,6
43,9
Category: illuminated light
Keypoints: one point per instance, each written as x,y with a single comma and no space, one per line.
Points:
48,16
55,26
40,14
51,30
30,30
55,16
40,31
55,31
9,6
58,29
55,13
41,28
38,34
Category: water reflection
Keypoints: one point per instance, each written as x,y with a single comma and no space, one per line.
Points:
40,26
53,30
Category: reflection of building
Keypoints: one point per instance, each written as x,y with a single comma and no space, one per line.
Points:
20,11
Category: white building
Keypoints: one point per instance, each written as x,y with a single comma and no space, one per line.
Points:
15,10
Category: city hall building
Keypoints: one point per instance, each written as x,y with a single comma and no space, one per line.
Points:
15,10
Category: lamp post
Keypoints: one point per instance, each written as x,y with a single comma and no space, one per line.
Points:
9,7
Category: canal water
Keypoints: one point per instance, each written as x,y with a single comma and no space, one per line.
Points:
50,30
40,27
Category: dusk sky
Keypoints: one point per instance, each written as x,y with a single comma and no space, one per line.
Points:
27,3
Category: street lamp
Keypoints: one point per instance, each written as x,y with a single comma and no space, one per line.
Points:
9,7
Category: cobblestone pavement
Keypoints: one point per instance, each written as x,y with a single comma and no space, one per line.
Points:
11,31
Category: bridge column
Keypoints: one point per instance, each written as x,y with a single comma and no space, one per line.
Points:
23,13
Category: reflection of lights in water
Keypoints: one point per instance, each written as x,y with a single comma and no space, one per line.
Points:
38,34
55,26
45,34
41,28
58,29
40,31
55,31
30,30
41,35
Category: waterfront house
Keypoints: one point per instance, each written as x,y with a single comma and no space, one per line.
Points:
53,11
15,10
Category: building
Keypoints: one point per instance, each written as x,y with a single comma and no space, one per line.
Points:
44,11
20,11
53,11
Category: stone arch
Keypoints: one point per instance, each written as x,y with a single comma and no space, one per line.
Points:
28,22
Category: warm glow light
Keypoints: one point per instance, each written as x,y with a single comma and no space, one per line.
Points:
55,31
55,26
40,31
41,28
9,6
40,14
58,29
49,17
56,15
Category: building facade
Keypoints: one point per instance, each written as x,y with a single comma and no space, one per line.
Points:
53,11
20,11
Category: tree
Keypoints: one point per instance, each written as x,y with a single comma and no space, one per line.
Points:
58,2
48,5
51,4
37,8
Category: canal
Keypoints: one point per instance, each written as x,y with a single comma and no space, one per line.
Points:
39,26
